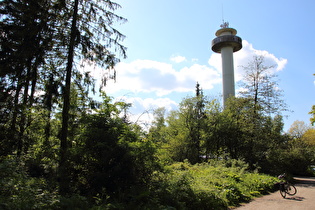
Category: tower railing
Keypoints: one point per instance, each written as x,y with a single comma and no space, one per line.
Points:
226,40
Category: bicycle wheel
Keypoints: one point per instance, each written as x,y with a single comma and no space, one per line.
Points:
282,193
290,189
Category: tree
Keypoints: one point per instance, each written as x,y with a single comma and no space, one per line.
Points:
91,32
265,105
309,136
60,34
298,129
156,132
312,112
64,181
109,157
237,126
183,133
242,133
260,86
25,39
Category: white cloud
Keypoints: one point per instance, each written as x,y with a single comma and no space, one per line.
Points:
178,59
161,78
194,60
244,56
149,103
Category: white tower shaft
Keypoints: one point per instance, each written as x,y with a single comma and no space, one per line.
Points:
227,72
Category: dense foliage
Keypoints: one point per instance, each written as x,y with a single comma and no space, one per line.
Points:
237,132
209,185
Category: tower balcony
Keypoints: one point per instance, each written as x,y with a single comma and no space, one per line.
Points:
225,41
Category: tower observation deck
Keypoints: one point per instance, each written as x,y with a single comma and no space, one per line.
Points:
227,43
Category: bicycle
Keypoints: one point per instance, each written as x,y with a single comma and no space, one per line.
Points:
285,187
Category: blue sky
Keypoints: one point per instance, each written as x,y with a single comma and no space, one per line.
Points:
169,50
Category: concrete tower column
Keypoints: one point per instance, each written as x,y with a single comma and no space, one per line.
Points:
226,43
227,74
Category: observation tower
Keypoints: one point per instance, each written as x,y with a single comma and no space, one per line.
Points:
227,43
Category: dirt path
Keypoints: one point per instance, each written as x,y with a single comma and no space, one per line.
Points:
303,200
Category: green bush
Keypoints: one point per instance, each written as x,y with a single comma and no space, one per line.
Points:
20,191
210,185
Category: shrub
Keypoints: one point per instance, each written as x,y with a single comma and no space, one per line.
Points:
209,185
19,191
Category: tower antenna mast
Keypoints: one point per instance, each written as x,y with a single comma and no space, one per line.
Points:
224,24
222,14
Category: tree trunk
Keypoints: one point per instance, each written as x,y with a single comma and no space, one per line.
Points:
48,106
63,173
21,139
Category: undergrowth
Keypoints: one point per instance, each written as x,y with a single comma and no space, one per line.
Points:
212,185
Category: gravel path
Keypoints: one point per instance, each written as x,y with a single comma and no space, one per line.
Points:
303,200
